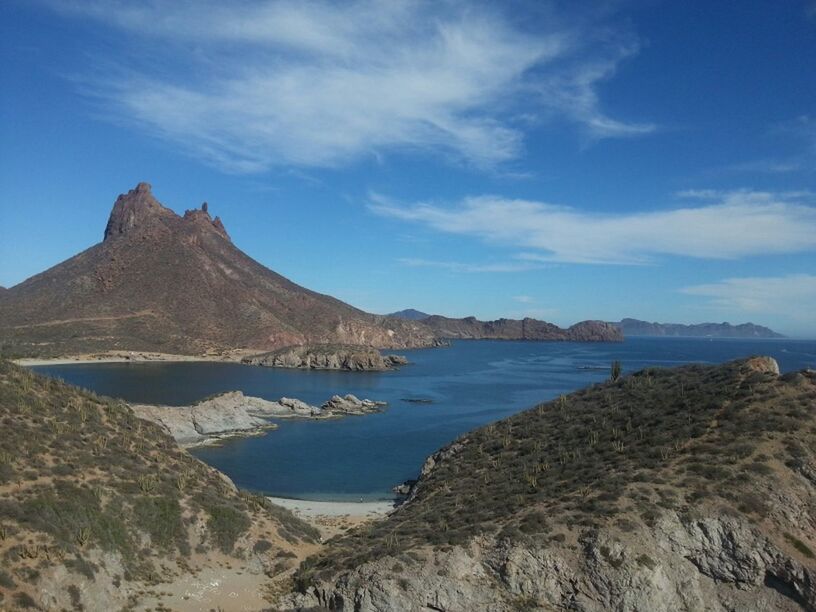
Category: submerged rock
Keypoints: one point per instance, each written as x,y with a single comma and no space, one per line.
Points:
350,404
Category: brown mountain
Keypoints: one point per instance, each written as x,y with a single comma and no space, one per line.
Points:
524,329
177,284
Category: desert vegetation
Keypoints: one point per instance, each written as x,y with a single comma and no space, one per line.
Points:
84,483
618,453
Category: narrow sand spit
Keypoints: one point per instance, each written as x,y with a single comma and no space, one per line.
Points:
313,509
126,357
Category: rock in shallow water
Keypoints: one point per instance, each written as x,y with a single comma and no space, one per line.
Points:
234,413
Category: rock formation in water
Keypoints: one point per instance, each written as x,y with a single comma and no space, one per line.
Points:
524,329
685,489
101,510
177,284
635,327
235,414
328,357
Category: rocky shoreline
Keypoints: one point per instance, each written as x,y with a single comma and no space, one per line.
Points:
234,414
328,357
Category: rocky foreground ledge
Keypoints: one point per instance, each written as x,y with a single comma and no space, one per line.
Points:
235,414
328,357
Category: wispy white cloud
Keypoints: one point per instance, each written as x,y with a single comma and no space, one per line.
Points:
768,166
737,224
251,85
524,299
456,266
793,295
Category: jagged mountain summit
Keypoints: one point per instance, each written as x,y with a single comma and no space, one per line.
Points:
177,284
636,327
691,488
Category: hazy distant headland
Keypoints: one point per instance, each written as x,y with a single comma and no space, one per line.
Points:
636,327
629,327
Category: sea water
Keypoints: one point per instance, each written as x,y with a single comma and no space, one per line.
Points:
460,387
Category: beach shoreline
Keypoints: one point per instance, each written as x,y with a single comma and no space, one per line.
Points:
308,509
126,357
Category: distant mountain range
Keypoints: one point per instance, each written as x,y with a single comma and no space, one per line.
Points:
470,327
177,284
635,327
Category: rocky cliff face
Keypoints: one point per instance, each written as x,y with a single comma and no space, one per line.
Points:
328,357
524,329
635,327
685,489
177,284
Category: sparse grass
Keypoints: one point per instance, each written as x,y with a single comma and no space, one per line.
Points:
226,523
799,545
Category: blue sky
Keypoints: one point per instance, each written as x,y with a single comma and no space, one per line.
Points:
646,159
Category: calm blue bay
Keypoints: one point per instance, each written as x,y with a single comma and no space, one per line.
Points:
469,384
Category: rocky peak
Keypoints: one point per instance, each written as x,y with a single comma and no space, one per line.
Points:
201,216
139,210
133,209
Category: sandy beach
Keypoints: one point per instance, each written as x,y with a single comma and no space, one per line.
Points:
126,357
313,509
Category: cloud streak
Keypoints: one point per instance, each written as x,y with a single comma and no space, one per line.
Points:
738,224
793,295
277,82
457,266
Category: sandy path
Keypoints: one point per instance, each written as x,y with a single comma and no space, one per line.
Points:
212,589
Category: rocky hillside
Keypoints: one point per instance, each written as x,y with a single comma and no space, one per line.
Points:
177,284
328,357
100,510
685,489
635,327
524,329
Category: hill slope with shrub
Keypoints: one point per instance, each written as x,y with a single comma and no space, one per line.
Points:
101,509
690,488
